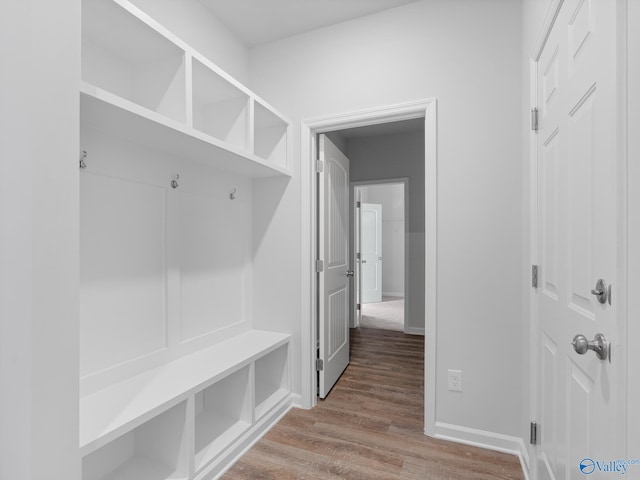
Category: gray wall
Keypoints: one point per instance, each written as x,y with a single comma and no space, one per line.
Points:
399,156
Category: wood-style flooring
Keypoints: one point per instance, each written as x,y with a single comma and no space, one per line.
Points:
370,427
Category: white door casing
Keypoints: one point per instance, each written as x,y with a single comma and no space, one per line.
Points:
310,128
333,282
371,252
357,250
578,396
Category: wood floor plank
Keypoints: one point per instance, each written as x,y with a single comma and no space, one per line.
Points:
370,427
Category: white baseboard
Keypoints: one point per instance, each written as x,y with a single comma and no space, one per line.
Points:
414,331
524,460
393,294
484,439
297,401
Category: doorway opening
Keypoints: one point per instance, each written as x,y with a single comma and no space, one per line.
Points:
310,129
380,249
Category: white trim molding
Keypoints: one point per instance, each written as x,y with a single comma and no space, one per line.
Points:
484,439
414,331
545,30
426,109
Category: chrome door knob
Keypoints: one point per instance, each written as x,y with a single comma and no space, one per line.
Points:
349,273
599,345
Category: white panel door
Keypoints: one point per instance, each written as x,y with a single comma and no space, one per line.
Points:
579,396
371,252
333,228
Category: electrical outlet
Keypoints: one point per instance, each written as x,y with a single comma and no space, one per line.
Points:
455,380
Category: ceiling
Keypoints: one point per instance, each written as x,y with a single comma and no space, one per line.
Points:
261,21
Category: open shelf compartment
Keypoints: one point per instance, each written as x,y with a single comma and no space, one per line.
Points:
223,413
124,56
272,380
156,450
116,116
219,108
270,136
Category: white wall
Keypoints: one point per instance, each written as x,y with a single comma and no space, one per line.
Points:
468,55
40,52
192,22
391,197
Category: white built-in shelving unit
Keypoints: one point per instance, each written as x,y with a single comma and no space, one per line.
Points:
186,415
140,81
175,382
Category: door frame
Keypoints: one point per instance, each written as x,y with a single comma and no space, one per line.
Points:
387,181
622,282
633,199
427,109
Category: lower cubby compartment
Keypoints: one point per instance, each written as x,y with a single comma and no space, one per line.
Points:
156,450
272,380
223,413
191,418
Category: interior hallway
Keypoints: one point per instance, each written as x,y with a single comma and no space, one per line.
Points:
370,427
385,315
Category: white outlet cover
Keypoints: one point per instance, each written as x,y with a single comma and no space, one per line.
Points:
455,380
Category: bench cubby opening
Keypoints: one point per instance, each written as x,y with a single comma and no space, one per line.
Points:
156,450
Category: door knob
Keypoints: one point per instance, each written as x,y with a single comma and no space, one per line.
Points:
599,345
602,291
349,273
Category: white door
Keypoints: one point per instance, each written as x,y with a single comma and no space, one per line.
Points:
579,404
334,278
371,252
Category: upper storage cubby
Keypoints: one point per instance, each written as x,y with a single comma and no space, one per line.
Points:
142,83
126,57
270,136
219,108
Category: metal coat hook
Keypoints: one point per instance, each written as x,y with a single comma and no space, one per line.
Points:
232,195
174,182
83,164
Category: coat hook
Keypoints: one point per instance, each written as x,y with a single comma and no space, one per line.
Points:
232,195
83,164
174,182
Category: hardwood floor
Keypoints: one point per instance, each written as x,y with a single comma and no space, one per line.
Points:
370,427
